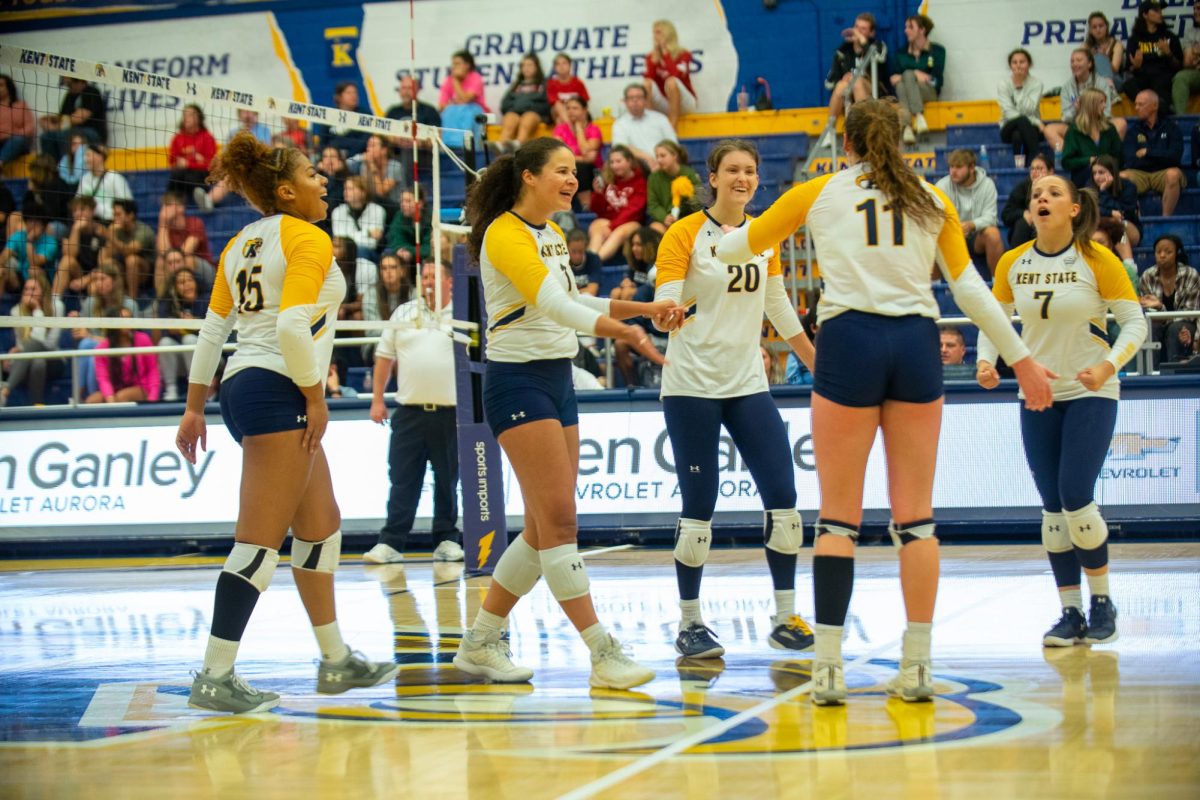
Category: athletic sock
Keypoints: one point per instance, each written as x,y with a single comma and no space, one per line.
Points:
828,643
688,579
785,605
1071,598
689,614
1097,585
595,637
486,624
917,641
329,640
219,657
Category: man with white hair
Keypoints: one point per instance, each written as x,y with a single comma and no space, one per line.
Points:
1154,152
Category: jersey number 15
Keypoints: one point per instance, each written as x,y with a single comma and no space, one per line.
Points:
250,293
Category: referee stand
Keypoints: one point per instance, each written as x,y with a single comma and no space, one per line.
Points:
485,533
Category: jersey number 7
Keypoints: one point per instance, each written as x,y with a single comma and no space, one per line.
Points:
250,293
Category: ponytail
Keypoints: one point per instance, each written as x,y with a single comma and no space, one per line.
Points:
873,130
1088,218
499,187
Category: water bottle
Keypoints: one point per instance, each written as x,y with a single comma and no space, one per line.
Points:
984,164
743,99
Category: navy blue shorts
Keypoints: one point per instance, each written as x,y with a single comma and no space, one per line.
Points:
864,359
256,401
514,394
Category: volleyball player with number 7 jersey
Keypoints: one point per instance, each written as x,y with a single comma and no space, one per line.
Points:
278,285
714,377
1063,286
877,228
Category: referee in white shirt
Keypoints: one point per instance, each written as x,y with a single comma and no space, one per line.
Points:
423,426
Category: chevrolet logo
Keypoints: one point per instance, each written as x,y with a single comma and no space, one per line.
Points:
1136,446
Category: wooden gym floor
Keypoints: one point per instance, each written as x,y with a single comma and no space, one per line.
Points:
94,661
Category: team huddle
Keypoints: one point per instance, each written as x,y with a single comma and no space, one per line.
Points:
877,228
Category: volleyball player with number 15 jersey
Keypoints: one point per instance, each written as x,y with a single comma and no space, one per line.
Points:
877,228
278,285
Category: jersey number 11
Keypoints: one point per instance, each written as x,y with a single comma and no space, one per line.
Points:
867,207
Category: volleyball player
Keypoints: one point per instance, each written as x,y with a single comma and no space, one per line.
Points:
877,228
278,285
1062,285
714,377
534,311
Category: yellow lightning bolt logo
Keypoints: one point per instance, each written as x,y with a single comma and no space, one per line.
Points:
485,549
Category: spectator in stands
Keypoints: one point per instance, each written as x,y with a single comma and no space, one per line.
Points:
106,293
1118,199
183,300
47,191
916,75
192,151
297,136
462,99
81,249
361,276
73,164
585,265
525,105
8,207
1084,77
359,219
974,196
1111,234
796,373
1020,97
249,122
1187,81
1153,152
858,49
333,166
1016,215
30,251
409,89
38,302
671,188
16,123
383,176
133,243
349,141
641,254
393,289
640,129
1090,136
102,183
178,231
1108,50
81,113
583,136
619,201
1171,285
563,85
1155,55
668,79
770,365
954,354
128,378
402,232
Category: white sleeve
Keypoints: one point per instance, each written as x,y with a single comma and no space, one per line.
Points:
296,343
555,303
984,349
779,308
976,300
671,290
1132,320
209,343
601,304
734,247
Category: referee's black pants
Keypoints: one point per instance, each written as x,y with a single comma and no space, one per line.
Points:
420,437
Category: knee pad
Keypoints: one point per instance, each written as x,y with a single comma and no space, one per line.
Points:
831,527
519,568
783,531
319,556
565,574
1088,530
1055,535
693,537
911,531
253,563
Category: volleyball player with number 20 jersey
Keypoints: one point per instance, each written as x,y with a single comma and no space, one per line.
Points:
877,228
1063,286
278,285
714,377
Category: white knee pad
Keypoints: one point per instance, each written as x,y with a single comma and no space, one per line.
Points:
319,556
253,563
519,568
565,574
783,531
911,532
831,527
1088,530
693,537
1055,535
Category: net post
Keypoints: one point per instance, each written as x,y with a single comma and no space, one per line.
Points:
485,531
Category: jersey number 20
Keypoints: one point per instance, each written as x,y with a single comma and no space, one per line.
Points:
250,293
744,278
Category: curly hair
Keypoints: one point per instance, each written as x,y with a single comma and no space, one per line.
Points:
254,170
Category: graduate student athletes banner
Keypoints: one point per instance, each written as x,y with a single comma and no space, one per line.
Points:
81,481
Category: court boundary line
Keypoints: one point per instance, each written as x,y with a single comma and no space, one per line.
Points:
622,774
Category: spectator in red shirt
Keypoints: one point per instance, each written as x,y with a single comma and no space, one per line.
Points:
561,86
192,151
16,123
178,231
668,74
619,200
579,133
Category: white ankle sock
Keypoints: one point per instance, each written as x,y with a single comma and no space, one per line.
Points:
1072,598
595,637
785,605
689,613
219,657
486,623
917,641
1098,584
329,640
828,643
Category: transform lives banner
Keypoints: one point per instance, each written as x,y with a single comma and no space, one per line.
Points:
83,481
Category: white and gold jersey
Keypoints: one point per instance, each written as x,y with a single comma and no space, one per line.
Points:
278,284
1063,299
714,353
534,308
